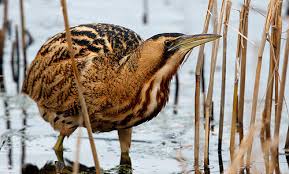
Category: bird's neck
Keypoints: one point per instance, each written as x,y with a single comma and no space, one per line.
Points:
153,84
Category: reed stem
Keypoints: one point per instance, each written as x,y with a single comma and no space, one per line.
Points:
224,64
234,115
197,90
211,85
271,10
79,87
275,147
277,44
23,40
273,76
244,30
197,124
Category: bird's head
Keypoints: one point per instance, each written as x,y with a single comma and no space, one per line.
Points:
166,52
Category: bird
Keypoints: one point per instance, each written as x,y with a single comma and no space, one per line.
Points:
125,79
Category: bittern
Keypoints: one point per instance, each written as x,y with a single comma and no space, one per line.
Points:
125,79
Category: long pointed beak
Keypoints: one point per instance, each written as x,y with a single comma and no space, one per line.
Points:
187,42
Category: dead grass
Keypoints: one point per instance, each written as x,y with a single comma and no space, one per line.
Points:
80,90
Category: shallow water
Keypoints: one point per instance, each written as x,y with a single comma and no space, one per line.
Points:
163,145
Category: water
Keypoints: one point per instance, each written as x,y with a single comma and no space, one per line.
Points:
163,145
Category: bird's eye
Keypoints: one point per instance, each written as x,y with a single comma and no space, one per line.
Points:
167,43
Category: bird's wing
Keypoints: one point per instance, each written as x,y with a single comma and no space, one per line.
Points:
50,80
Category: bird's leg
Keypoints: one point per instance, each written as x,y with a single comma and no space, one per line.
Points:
125,141
58,148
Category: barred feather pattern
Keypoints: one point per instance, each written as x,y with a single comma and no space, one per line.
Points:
117,93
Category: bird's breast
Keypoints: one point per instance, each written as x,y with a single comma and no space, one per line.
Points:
151,100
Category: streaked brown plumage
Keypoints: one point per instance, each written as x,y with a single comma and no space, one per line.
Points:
126,80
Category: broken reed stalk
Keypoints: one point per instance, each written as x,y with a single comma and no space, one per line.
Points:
275,148
197,90
224,64
23,40
79,87
243,49
271,10
211,85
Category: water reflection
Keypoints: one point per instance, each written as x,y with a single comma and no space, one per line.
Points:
220,159
51,166
207,170
9,141
54,167
287,158
23,144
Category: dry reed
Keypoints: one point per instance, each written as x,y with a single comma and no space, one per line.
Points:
234,110
271,10
240,77
79,87
199,66
243,50
208,108
243,148
236,85
23,33
276,34
275,148
224,64
275,41
2,43
276,44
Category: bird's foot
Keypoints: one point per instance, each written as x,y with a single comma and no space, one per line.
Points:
59,143
58,148
125,159
59,166
125,164
59,155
